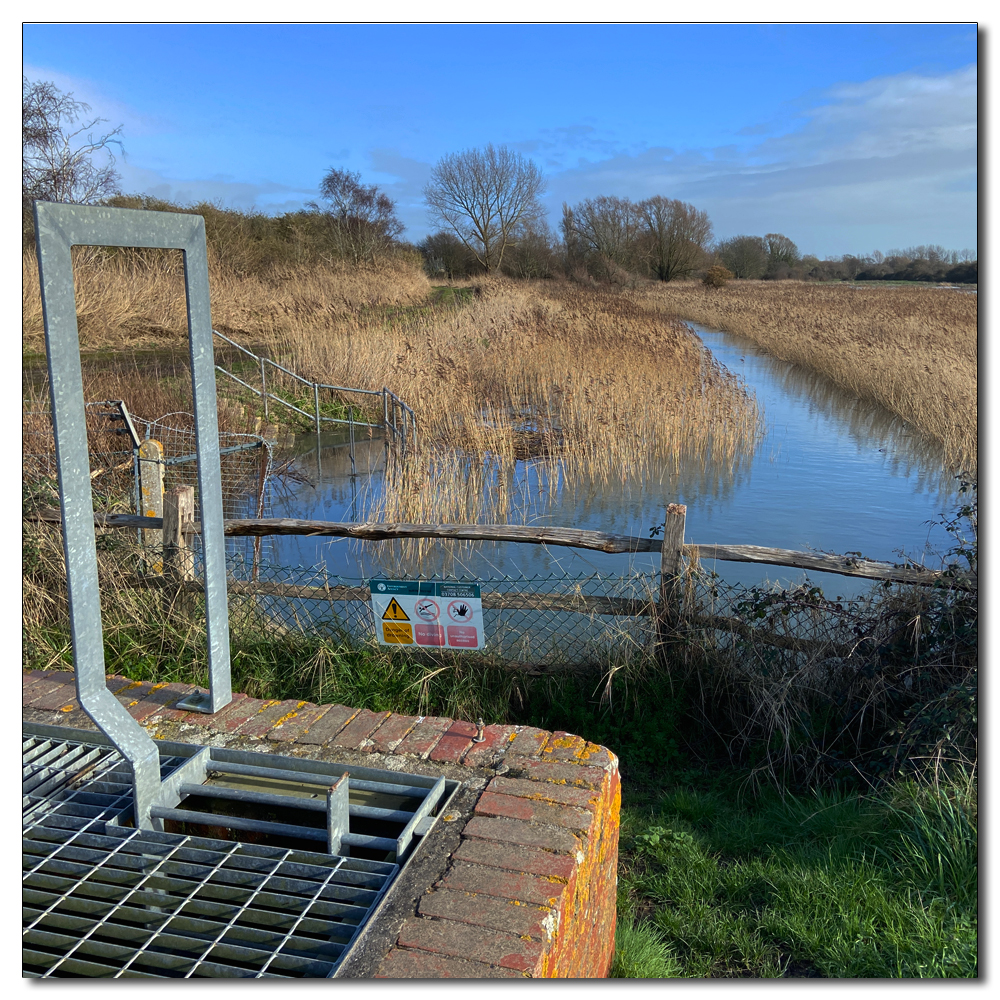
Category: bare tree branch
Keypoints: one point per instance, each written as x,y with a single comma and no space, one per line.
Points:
57,164
363,219
485,197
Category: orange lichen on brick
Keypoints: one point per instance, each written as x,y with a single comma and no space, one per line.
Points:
582,946
567,742
289,715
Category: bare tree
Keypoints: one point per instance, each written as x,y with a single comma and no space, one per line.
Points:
678,236
608,227
532,254
745,256
485,197
363,219
57,163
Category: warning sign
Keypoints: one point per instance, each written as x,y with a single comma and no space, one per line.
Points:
428,613
397,632
428,609
395,613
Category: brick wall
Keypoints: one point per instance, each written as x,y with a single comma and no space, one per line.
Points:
530,890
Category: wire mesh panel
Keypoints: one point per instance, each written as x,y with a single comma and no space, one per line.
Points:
553,619
587,619
246,465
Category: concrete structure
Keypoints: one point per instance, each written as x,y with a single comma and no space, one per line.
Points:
518,879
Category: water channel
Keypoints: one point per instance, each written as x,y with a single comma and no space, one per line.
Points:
830,474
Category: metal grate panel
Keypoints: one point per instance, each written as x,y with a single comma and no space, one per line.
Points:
102,899
59,776
107,901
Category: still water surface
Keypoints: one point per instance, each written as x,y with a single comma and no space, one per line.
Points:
830,473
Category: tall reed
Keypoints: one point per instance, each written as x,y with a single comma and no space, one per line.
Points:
598,386
913,350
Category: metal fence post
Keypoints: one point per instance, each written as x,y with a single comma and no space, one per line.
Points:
385,422
316,401
350,430
263,387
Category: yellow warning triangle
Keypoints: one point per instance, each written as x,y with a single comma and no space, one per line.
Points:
395,613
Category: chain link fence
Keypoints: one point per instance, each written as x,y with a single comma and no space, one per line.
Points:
247,465
551,621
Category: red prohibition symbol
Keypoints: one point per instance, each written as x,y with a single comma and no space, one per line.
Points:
460,611
427,610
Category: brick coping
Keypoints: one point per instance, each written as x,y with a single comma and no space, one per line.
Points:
529,890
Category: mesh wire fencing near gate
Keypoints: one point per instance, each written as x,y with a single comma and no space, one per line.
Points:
246,461
552,621
575,620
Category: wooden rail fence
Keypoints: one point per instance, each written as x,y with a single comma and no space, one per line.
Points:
178,582
671,547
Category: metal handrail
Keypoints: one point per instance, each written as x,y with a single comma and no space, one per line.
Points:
399,435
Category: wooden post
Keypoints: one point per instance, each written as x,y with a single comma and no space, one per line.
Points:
178,555
671,566
151,494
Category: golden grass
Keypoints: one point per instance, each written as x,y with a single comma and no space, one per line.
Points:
913,350
598,385
124,305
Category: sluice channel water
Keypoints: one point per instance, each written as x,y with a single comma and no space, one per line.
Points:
829,474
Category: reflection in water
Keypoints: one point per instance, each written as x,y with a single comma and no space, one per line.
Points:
831,474
908,452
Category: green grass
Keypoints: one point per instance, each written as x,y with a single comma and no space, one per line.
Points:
446,295
713,884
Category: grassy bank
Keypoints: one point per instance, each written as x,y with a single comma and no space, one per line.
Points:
912,350
713,883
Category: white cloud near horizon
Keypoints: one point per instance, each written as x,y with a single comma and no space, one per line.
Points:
895,154
889,161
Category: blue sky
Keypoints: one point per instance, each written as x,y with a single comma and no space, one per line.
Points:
846,138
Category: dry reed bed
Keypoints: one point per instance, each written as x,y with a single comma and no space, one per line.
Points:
913,350
598,385
123,302
610,389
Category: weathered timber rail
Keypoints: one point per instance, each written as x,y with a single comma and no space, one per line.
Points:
598,541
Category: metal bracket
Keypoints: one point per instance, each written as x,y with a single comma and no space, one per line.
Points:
338,815
58,228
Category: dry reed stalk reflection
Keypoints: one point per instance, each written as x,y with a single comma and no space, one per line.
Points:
912,350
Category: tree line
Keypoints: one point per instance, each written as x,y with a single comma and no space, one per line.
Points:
485,205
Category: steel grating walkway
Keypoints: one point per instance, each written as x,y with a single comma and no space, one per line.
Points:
102,899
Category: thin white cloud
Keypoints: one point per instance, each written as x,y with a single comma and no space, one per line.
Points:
113,111
901,149
227,192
